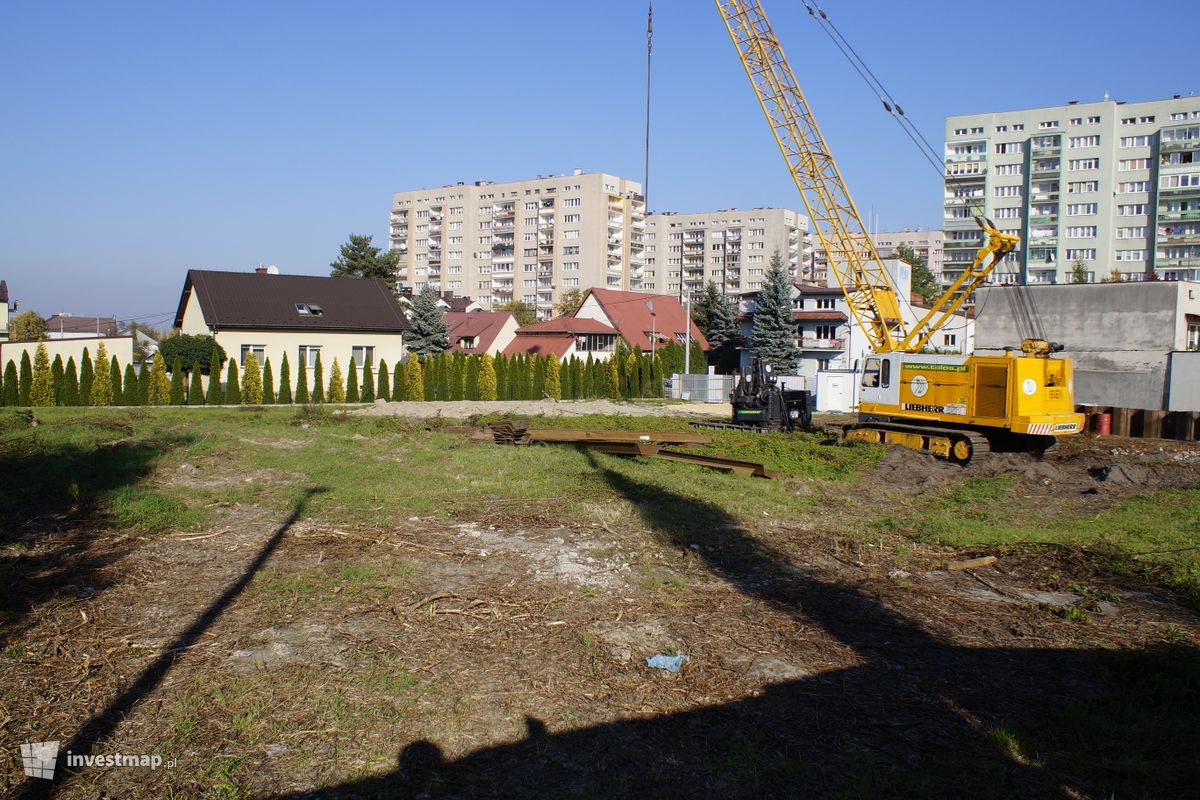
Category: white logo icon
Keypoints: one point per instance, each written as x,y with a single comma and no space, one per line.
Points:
1029,386
919,385
39,759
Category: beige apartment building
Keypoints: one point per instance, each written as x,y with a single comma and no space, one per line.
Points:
732,248
1110,185
927,244
530,240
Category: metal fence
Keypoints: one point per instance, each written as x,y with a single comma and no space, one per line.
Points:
699,388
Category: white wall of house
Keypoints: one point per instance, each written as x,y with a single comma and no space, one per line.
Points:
119,346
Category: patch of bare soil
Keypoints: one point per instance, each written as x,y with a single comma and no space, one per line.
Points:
549,408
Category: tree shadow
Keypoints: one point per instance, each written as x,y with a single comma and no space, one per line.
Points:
93,732
52,502
917,717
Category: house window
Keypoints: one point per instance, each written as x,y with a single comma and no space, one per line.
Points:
309,310
826,302
363,355
309,353
1193,332
259,351
467,342
826,331
950,340
596,342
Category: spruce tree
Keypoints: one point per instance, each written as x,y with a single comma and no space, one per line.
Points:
285,383
268,384
41,388
487,378
252,389
414,378
398,388
215,395
337,386
177,396
129,389
722,334
158,392
86,374
352,383
368,384
383,389
70,384
302,397
428,331
195,392
11,384
552,378
233,392
773,338
25,385
58,375
318,386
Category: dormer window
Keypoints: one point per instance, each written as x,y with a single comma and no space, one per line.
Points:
309,310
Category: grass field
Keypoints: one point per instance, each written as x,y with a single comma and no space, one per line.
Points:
285,599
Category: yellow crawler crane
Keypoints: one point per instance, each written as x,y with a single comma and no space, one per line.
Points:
956,407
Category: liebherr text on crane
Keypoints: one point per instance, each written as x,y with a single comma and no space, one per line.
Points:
957,407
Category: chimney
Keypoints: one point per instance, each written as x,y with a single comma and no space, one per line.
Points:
260,269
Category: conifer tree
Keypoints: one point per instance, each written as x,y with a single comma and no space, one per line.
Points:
102,388
633,378
70,384
129,388
383,389
500,366
699,359
41,388
588,375
252,387
426,377
177,396
487,377
302,397
337,383
352,382
25,384
114,377
399,390
86,373
158,392
2,395
215,395
233,392
368,384
643,363
268,381
428,331
58,375
195,392
472,389
773,338
721,329
318,386
457,379
612,379
553,377
285,383
414,379
12,385
539,378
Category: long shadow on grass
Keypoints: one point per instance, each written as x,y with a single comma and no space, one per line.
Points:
92,734
52,500
916,717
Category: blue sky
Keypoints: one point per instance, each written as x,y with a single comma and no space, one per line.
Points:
139,139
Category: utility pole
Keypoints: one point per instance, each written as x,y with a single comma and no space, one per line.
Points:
649,50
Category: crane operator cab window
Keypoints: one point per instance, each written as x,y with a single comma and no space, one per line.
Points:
877,374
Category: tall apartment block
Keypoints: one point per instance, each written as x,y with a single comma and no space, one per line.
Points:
526,240
927,244
1112,185
731,248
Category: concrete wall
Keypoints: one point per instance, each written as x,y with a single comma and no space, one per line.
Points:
1183,382
119,346
1120,336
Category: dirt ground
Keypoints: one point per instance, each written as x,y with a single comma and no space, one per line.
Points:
549,408
500,656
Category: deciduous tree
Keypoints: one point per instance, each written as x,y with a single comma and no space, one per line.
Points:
28,326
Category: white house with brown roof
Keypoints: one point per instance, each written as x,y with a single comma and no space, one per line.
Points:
301,315
566,337
480,331
638,316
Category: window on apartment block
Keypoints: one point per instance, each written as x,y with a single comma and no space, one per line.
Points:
363,355
1084,141
308,355
826,303
826,331
259,351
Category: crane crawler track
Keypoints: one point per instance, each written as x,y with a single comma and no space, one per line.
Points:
957,446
